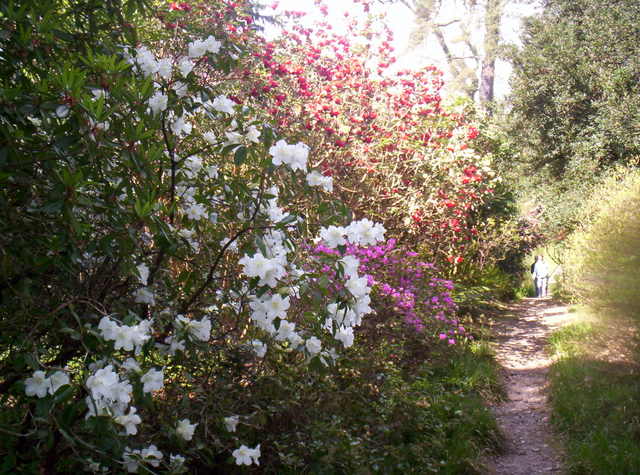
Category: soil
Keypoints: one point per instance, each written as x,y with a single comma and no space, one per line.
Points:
521,337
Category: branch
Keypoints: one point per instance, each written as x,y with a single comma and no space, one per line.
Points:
444,25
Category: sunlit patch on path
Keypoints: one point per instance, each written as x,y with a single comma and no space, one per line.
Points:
521,336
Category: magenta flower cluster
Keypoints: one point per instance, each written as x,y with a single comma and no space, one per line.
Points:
407,287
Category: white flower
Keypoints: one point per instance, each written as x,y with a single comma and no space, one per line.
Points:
358,286
177,460
57,380
153,380
131,364
124,336
130,459
276,306
185,66
197,48
98,93
62,111
351,265
37,385
295,339
345,335
253,134
333,236
233,138
223,104
256,266
143,273
180,88
158,102
181,126
259,347
246,456
317,179
212,171
231,423
293,155
151,455
174,345
145,295
313,345
164,68
212,45
365,232
314,178
108,395
210,137
185,429
146,61
200,330
196,212
285,330
129,421
193,163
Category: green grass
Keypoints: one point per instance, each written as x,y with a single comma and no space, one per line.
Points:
596,404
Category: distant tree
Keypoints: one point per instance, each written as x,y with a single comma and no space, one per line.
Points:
471,66
575,91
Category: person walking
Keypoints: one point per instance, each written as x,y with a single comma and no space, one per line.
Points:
540,274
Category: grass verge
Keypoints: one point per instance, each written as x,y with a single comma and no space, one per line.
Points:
595,396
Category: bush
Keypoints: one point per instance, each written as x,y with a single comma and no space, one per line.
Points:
602,258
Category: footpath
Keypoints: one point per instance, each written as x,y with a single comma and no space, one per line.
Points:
521,337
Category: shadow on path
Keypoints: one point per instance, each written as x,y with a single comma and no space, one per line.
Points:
521,337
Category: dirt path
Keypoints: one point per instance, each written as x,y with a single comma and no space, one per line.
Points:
521,336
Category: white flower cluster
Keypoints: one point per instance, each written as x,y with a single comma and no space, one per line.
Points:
293,155
275,214
193,209
149,65
318,179
158,102
108,394
146,62
125,336
199,330
40,385
235,136
180,126
199,48
363,233
346,318
268,270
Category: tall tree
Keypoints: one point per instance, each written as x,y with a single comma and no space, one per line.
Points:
468,33
576,96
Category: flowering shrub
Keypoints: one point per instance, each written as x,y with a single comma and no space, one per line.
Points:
384,132
153,221
403,287
153,244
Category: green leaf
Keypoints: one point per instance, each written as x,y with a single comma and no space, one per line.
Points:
240,155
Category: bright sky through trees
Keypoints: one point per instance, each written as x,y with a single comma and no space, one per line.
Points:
401,21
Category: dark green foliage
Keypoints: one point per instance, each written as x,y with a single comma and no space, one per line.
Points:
384,412
575,104
576,100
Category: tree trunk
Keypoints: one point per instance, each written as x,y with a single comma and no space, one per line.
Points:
493,14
